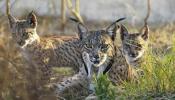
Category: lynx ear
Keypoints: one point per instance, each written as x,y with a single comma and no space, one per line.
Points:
145,33
82,31
31,18
123,32
12,20
112,29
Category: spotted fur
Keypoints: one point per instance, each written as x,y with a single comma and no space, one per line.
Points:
77,85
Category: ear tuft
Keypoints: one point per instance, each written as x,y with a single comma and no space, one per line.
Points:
31,18
123,32
113,28
112,31
145,32
12,20
82,31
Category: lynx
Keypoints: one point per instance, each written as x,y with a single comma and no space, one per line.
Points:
99,43
127,59
134,45
44,53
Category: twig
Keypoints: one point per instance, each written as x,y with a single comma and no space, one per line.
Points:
147,15
148,12
74,11
77,6
7,7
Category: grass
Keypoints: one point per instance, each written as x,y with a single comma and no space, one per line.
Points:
104,89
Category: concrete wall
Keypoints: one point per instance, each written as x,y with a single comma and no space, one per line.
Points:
163,11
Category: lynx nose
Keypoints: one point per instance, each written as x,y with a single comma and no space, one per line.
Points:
132,55
96,59
21,43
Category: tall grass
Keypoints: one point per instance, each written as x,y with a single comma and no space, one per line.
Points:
104,89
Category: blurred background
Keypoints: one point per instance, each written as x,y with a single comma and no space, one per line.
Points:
162,12
135,10
16,79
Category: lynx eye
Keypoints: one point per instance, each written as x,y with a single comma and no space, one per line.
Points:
138,47
88,46
104,47
25,35
30,32
13,34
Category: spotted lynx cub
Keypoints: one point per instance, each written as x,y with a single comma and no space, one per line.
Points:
98,45
127,60
47,52
134,46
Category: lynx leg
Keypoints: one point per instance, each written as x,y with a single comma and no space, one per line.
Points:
88,63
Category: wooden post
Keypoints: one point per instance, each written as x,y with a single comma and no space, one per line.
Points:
7,7
63,15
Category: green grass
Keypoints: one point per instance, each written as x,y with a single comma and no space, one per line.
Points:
104,89
158,80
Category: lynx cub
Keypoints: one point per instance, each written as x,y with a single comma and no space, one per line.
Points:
45,52
127,60
98,45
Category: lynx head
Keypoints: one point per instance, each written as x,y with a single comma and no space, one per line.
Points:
98,44
24,31
134,45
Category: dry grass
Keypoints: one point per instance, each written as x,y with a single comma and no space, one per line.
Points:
19,81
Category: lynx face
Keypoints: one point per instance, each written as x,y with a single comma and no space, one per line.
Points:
134,45
98,44
23,31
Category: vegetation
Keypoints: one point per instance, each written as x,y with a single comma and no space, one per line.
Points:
104,89
158,81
